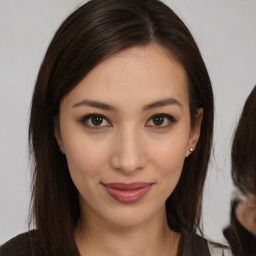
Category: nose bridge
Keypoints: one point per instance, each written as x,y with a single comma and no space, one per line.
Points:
129,155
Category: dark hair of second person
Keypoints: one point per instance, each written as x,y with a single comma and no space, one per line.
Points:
241,234
243,154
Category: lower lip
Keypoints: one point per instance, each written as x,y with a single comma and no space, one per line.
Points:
127,196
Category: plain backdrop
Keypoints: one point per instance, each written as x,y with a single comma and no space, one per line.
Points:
225,33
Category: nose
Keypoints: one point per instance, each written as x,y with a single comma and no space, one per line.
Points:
129,151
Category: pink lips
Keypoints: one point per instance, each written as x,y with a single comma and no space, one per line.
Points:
127,193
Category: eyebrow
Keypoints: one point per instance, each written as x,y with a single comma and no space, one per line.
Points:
95,104
104,106
162,103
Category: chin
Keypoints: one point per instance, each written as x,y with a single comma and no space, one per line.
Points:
132,215
126,220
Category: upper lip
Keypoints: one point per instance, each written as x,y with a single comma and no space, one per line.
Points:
127,186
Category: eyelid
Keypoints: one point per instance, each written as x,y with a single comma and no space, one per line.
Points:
87,117
171,118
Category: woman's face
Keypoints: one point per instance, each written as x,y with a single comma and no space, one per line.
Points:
125,131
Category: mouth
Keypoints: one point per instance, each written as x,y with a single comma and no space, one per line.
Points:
127,192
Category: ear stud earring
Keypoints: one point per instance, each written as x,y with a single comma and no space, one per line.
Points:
191,149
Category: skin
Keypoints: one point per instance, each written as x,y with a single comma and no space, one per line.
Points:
128,147
246,213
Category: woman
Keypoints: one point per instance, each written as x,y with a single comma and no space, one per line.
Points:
242,232
121,130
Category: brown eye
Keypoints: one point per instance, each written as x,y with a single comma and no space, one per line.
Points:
161,121
97,120
158,120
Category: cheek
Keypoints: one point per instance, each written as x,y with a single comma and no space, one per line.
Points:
168,160
169,153
85,159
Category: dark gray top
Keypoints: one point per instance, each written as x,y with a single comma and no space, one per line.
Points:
28,244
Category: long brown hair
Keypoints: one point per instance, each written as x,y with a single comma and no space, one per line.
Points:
243,153
243,164
91,34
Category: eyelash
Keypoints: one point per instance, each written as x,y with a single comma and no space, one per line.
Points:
86,118
170,118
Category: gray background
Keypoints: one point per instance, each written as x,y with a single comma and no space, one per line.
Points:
225,32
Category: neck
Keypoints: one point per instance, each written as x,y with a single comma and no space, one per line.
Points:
151,238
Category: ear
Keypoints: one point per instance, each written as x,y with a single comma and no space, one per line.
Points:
195,132
58,135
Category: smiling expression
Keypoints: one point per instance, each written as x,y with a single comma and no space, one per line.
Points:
125,130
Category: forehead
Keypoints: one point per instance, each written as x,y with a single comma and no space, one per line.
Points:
140,74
